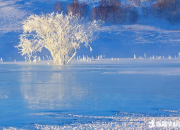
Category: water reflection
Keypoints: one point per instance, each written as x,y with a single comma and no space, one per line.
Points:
52,87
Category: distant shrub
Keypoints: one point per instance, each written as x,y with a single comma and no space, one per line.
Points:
113,11
145,11
169,9
77,8
132,14
58,7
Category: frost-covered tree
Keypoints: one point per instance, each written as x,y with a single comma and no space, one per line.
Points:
61,34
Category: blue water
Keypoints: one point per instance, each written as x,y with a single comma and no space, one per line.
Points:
52,95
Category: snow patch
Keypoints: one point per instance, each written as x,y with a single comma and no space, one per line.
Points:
11,15
142,34
2,96
154,71
133,121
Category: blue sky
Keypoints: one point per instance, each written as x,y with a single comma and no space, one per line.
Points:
151,36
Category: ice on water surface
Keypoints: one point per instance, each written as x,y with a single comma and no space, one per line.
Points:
114,95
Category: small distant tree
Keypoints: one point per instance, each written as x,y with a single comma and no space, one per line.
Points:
77,8
106,10
145,11
133,14
114,12
61,34
169,9
58,6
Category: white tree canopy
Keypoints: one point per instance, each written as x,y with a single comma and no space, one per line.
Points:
61,34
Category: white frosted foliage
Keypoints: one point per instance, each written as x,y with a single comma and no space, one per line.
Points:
145,55
153,57
61,34
140,57
1,60
169,57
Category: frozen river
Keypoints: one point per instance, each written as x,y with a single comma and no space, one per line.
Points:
88,96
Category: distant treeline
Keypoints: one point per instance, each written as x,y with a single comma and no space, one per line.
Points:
112,11
108,10
74,8
169,9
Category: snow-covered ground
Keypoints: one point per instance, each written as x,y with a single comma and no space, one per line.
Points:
153,36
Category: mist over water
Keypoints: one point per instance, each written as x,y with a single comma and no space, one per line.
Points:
43,95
